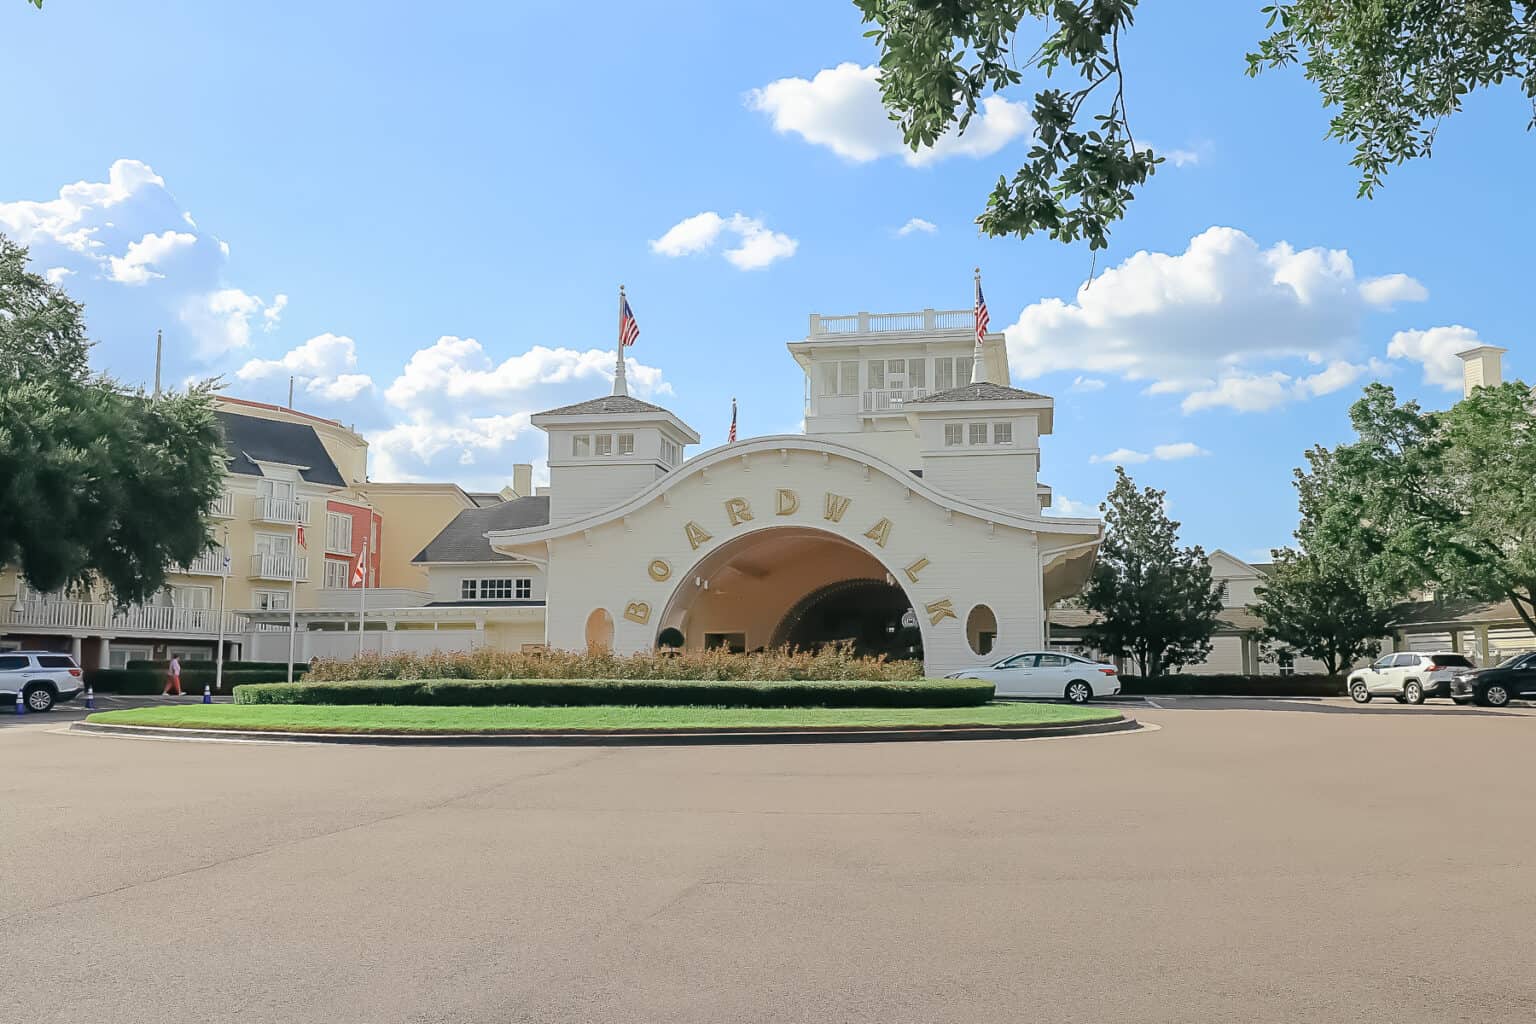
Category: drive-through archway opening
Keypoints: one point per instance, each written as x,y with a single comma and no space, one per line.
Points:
795,586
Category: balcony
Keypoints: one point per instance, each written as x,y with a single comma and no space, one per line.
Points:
209,563
97,617
279,567
223,506
927,321
888,400
282,510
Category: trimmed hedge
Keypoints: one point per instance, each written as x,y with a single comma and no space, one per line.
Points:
141,681
924,693
1234,685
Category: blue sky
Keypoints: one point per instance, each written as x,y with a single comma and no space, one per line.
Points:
427,209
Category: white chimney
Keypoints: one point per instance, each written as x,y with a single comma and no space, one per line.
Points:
1481,367
522,479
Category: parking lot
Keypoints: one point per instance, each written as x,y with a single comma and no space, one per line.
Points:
1255,861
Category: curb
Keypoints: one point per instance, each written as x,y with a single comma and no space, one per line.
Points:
657,737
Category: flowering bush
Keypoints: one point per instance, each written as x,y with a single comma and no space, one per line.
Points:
830,662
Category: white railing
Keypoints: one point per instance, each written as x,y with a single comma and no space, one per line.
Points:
893,323
282,510
86,615
279,567
889,399
209,563
223,506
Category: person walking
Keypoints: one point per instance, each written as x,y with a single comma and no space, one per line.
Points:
173,678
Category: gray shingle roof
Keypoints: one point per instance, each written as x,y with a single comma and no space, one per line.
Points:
251,437
608,404
463,540
485,499
983,392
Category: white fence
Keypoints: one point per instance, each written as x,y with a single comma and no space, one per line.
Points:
893,323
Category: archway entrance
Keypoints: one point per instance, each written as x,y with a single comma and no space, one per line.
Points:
795,586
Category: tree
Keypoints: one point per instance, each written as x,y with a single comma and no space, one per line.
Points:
1437,501
1155,601
1393,68
97,484
1318,607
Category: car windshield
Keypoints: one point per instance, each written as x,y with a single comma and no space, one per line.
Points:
1510,661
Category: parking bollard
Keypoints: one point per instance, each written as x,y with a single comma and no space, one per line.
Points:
90,698
21,706
207,696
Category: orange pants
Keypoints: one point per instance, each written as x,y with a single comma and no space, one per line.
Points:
172,685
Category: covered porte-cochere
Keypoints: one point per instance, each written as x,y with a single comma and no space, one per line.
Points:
790,540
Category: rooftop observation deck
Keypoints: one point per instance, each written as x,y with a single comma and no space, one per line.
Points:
862,325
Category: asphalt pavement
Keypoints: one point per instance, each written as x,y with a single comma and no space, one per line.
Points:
1252,861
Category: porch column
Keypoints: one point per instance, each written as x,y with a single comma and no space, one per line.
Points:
74,648
1482,645
104,660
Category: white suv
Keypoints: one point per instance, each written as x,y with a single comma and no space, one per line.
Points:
41,677
1408,676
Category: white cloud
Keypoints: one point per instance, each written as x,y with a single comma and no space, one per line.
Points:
1161,453
135,266
756,246
67,220
840,108
324,363
220,321
1435,349
1181,157
690,235
1204,321
1081,383
1063,506
915,225
56,275
405,450
1390,289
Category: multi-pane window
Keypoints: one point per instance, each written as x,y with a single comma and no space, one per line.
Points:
626,444
829,378
954,435
270,600
603,444
518,589
978,433
951,372
1287,663
917,373
336,575
338,532
876,374
581,446
1002,433
848,383
670,452
192,597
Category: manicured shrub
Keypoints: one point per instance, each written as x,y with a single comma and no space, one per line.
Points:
1235,685
831,662
923,693
131,681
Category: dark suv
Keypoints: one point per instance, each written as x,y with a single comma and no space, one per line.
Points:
41,677
1496,686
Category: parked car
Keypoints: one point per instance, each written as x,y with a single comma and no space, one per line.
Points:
1047,674
1497,685
1408,677
43,678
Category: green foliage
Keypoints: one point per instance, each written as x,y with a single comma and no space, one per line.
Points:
142,678
925,693
940,58
1320,607
97,484
1437,501
834,661
1394,69
1232,685
1156,602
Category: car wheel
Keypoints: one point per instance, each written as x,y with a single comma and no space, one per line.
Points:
1359,692
1413,693
1079,692
1496,695
39,698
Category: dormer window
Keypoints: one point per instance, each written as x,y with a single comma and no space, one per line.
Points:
604,445
954,435
978,433
1002,433
626,444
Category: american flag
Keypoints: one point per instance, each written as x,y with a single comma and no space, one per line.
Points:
731,439
983,318
629,327
360,574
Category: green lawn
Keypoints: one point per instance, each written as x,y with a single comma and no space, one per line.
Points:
396,719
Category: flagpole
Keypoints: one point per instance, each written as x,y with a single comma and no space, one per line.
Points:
978,376
362,601
293,593
218,658
620,387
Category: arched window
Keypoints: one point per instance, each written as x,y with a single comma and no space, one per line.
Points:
981,629
600,630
